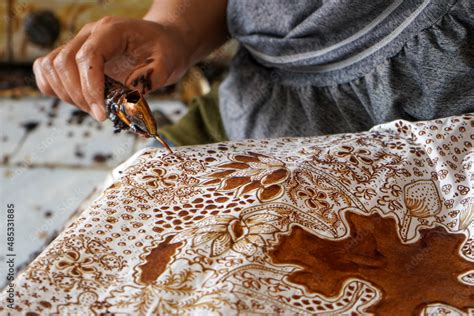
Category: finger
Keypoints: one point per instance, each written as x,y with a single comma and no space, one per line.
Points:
66,68
91,77
102,44
41,82
49,73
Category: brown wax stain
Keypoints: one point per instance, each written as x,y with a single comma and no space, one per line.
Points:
410,276
156,261
45,304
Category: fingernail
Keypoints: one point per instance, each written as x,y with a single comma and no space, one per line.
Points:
97,111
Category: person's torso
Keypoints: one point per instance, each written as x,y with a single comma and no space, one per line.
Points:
308,68
334,39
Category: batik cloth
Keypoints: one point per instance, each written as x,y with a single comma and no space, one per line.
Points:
375,222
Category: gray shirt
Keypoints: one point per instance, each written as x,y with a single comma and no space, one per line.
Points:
307,68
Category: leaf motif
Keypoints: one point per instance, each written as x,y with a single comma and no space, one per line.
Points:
220,245
244,247
212,182
260,166
245,158
233,165
248,188
276,177
183,235
467,216
261,218
269,161
221,174
270,193
203,238
251,172
263,228
234,183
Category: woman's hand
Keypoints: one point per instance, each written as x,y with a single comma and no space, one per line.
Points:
138,53
146,54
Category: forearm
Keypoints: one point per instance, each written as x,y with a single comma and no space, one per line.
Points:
202,27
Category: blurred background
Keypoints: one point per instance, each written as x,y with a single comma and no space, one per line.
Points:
53,157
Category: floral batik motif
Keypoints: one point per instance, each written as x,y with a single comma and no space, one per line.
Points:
380,222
